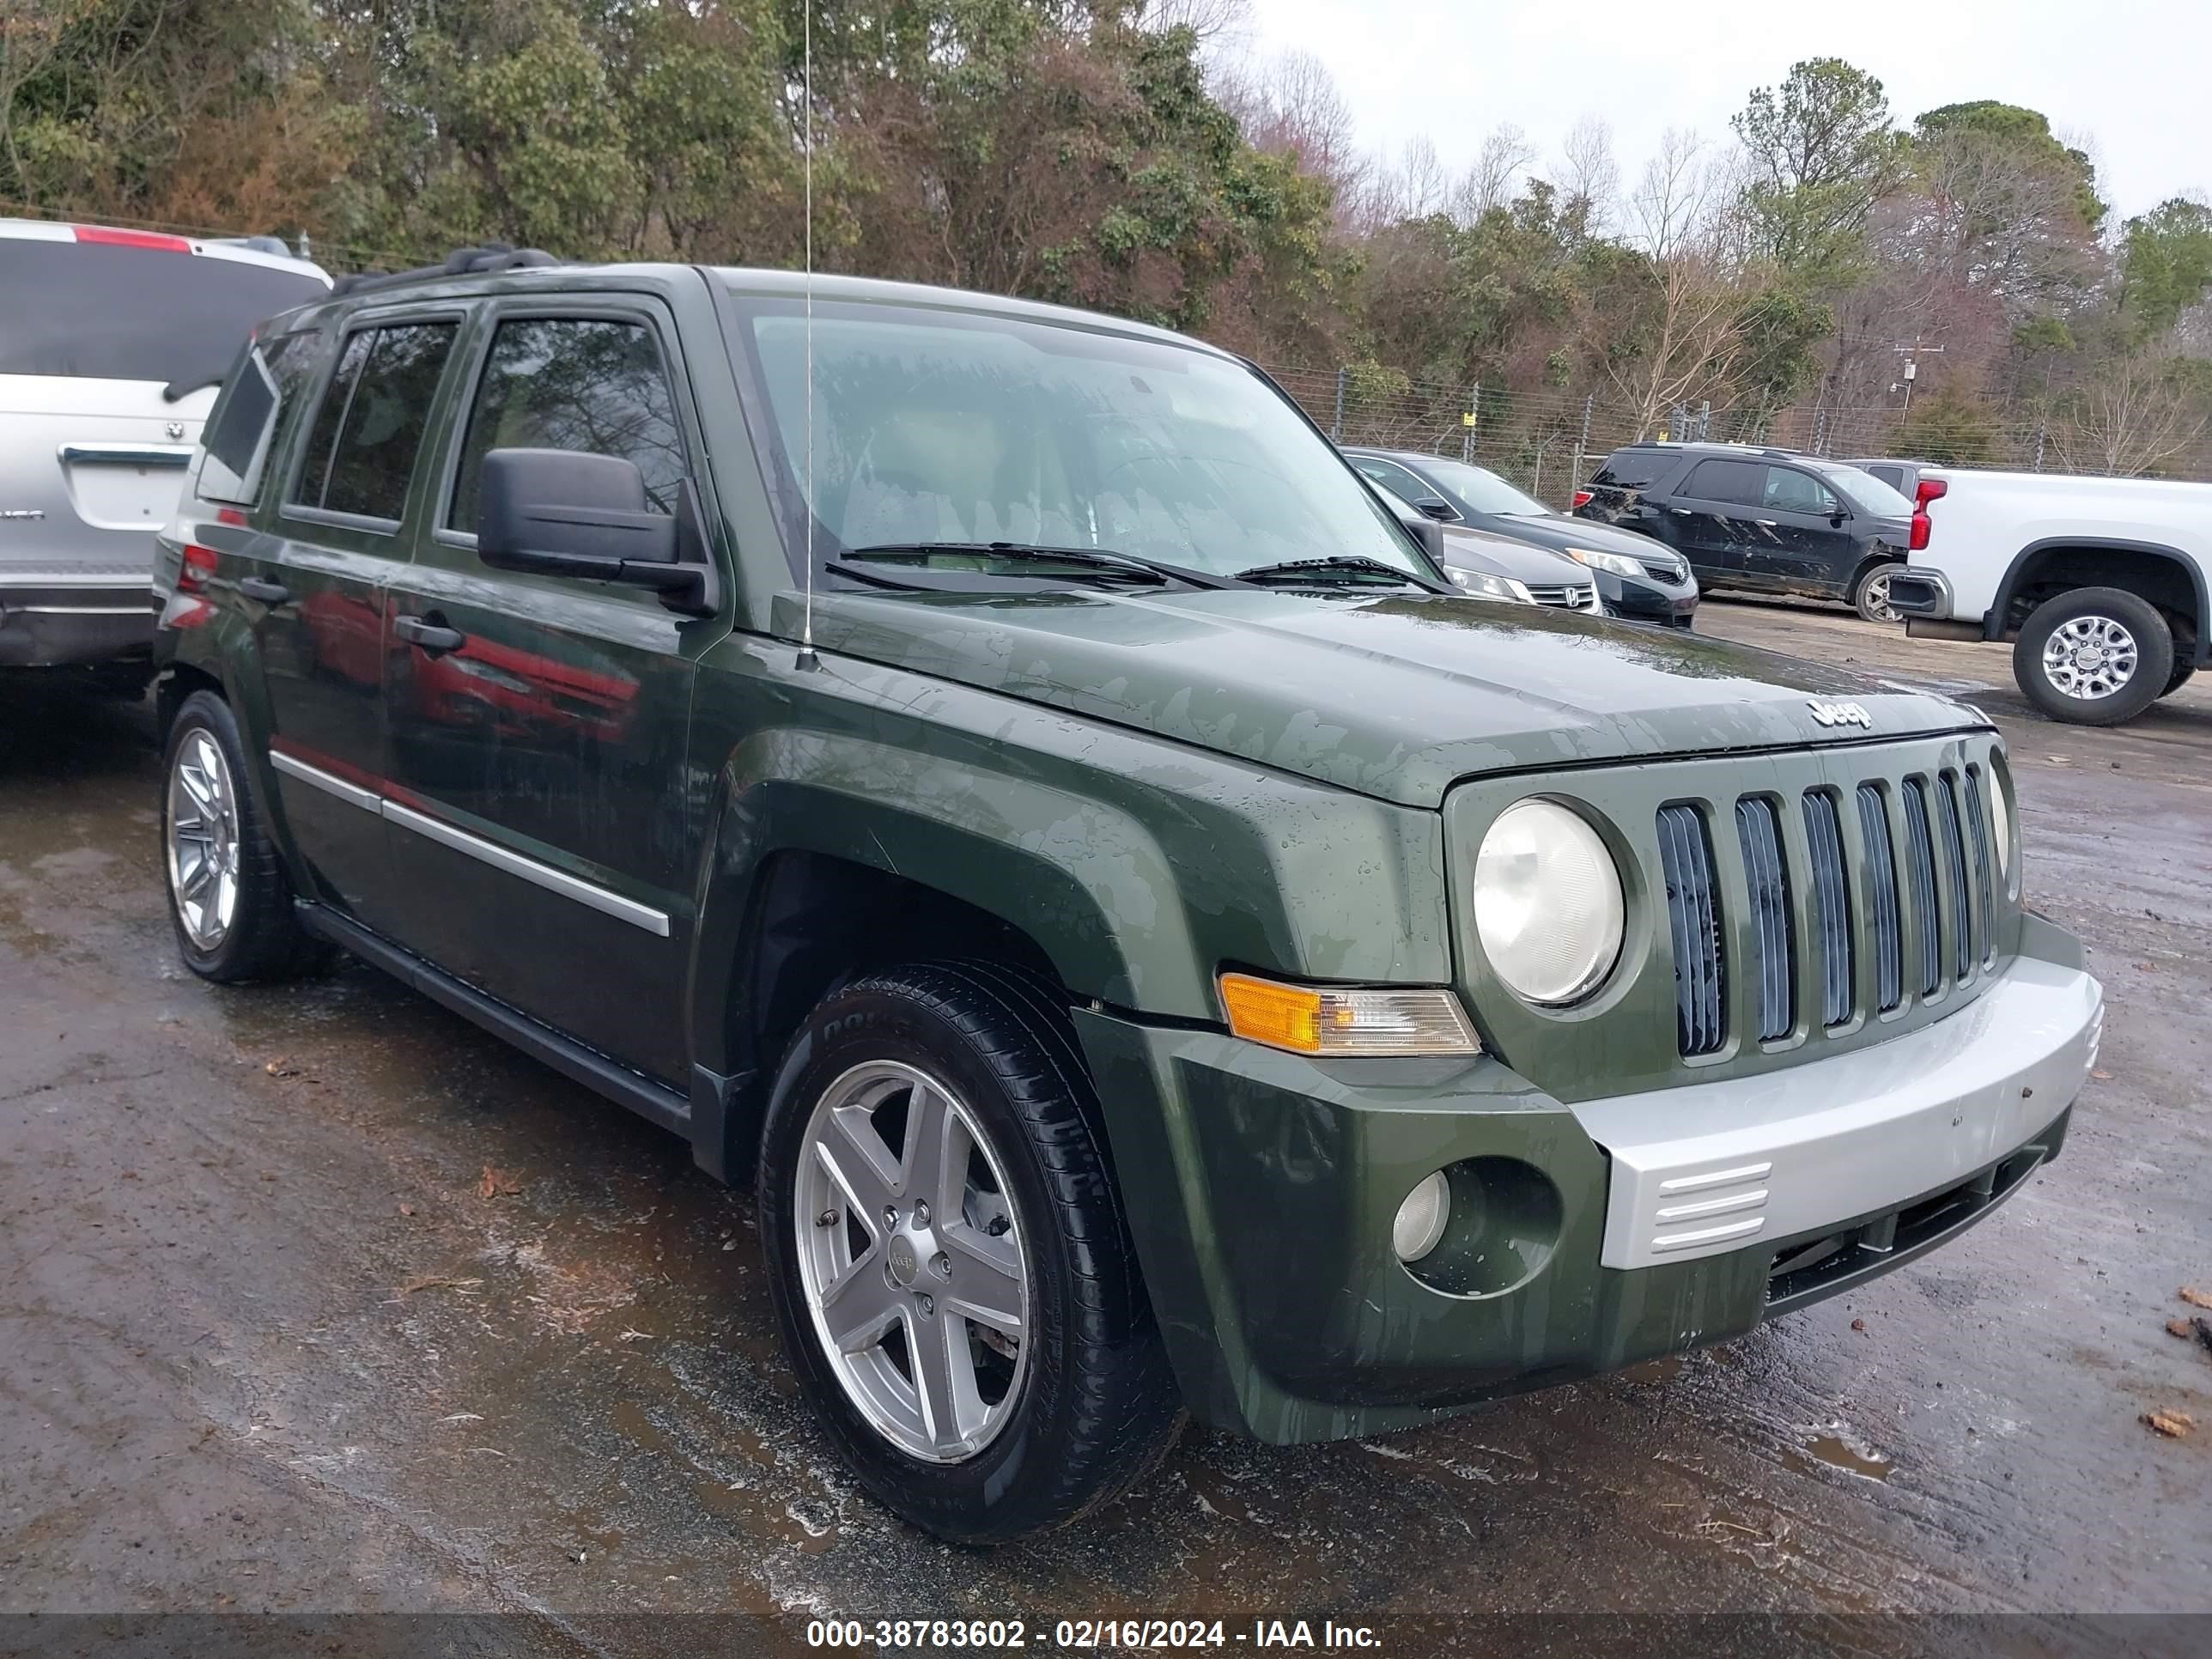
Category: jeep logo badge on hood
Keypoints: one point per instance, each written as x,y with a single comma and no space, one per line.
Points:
1840,713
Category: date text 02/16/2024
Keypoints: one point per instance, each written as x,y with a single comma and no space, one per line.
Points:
1004,1635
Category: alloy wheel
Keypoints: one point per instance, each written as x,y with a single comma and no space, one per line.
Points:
2089,658
1873,599
203,839
912,1260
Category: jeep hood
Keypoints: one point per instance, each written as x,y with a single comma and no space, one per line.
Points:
1395,695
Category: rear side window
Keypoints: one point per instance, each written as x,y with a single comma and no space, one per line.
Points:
1741,483
269,375
1631,468
362,449
1891,475
93,310
589,384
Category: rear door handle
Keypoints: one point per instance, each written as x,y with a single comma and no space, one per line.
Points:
268,593
432,636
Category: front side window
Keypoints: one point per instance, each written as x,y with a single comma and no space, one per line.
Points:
1739,483
932,427
362,449
1483,490
1789,490
587,384
1395,478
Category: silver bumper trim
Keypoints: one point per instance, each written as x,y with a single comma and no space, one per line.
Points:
1725,1166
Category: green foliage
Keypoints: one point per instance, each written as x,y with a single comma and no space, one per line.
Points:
2166,265
1949,427
1822,152
2026,133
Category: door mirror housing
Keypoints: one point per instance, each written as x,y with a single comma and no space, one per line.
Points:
1436,507
565,512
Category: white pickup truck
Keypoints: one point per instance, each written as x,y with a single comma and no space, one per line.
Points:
2102,582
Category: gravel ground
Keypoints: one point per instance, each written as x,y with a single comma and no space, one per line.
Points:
267,1344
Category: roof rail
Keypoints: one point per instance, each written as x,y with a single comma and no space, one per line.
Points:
462,262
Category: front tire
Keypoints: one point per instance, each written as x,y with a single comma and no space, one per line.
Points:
1871,594
950,1268
230,900
2183,673
2095,656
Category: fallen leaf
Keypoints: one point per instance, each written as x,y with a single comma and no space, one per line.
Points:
497,1184
2146,967
2173,1424
1858,1324
407,1209
2179,1327
281,1067
2102,1076
2195,1298
437,1282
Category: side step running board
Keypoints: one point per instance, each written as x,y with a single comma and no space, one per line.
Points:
654,1102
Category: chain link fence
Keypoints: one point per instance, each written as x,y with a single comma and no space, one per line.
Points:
1550,441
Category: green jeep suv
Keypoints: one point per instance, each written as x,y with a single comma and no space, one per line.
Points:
995,779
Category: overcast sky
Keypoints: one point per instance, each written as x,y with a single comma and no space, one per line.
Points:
2133,75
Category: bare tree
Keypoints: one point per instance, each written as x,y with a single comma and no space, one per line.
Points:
1494,178
1290,105
2133,417
1589,174
1682,198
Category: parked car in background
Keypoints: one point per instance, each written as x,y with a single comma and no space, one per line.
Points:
1902,476
2101,583
1637,577
111,345
1759,520
991,838
1485,566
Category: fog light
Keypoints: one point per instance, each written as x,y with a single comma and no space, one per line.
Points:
1421,1218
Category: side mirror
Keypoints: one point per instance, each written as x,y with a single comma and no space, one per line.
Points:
564,512
1435,507
1840,517
1427,531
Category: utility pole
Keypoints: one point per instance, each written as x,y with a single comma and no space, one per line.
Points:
1912,356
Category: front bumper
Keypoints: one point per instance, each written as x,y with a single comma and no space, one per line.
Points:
1261,1188
1648,601
65,618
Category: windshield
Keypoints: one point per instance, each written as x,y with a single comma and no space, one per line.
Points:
1869,492
108,313
935,427
1483,490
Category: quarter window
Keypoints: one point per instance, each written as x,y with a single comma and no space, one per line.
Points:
361,450
587,384
268,375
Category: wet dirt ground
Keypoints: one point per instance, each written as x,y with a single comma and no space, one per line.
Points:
318,1299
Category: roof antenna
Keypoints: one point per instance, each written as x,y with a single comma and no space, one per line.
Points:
807,661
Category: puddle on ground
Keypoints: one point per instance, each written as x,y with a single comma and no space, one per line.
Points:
1829,1450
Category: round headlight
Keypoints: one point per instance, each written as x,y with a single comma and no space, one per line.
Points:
1548,904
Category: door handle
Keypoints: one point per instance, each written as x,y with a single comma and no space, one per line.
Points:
268,592
433,636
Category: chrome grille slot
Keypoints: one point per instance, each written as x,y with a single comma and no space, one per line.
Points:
1954,865
1832,913
1568,596
1984,934
1880,884
1759,830
1685,857
1920,862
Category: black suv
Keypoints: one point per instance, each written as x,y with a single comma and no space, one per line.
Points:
1762,520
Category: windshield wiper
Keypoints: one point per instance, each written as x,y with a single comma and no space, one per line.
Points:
1101,560
1349,568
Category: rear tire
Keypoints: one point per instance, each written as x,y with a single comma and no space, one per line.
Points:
1036,1429
230,900
2095,656
1871,594
2183,673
